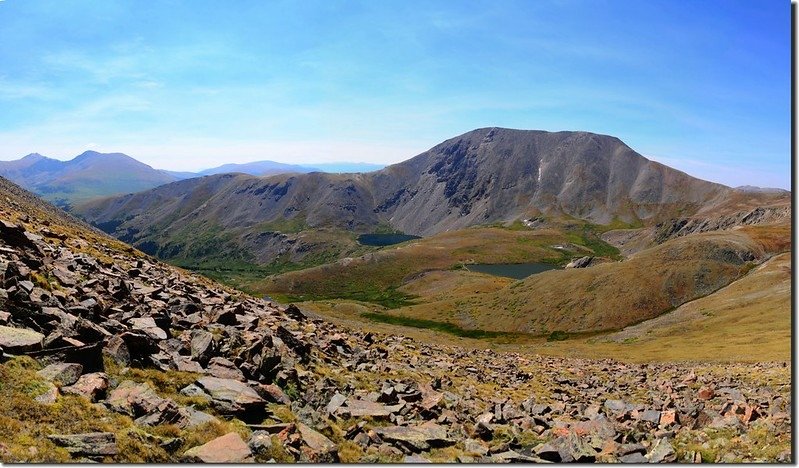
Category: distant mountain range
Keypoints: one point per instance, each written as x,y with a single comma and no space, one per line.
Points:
89,175
754,189
484,176
264,168
92,174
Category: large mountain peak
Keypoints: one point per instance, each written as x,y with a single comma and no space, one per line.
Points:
91,155
33,157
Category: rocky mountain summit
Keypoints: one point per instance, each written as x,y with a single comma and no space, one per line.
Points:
166,366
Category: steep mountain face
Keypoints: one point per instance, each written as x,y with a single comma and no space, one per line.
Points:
486,175
89,175
492,175
108,355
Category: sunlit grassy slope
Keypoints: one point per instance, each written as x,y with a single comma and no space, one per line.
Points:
613,295
705,285
747,321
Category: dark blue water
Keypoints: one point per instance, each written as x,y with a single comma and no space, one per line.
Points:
381,240
511,270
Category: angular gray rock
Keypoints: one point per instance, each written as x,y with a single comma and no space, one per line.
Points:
232,396
92,444
420,437
64,373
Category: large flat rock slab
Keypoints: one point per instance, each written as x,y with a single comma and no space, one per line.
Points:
92,444
231,396
19,340
230,448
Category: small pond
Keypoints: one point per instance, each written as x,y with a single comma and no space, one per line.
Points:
511,270
381,240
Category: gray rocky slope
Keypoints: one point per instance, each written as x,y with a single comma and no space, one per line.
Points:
381,397
483,176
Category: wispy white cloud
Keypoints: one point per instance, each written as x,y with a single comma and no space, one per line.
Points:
14,90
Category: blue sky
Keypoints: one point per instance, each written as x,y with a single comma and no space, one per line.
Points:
703,86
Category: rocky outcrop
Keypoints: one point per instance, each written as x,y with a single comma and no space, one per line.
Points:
582,262
683,226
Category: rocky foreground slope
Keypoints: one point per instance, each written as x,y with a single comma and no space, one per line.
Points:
109,355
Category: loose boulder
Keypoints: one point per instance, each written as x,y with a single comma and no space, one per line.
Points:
92,386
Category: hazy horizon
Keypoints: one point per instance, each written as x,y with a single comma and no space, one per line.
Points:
684,165
703,87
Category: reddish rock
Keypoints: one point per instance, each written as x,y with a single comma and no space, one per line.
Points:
318,448
92,386
230,448
668,418
360,408
750,414
273,393
224,369
706,393
431,400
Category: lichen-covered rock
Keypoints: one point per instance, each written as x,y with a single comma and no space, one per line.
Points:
65,373
93,444
19,340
